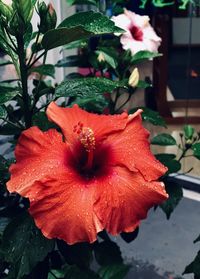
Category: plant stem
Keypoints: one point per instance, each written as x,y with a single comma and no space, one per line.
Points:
183,154
115,101
11,123
24,81
32,54
42,54
11,40
38,86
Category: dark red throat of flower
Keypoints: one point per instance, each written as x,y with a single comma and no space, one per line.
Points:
136,33
87,139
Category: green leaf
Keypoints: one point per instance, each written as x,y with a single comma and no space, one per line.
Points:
55,273
3,164
196,150
3,223
77,27
85,87
24,8
194,267
131,236
175,193
144,55
73,61
73,272
79,254
82,2
7,92
151,116
107,253
7,96
169,161
96,103
188,131
163,139
197,239
3,112
109,56
9,129
23,245
77,44
93,22
143,84
62,36
40,119
44,70
117,271
4,62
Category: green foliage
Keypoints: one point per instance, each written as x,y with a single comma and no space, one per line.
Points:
40,119
143,55
44,70
23,249
7,92
78,26
196,150
129,237
151,116
170,162
82,2
79,254
175,193
163,139
109,56
115,271
107,253
73,272
188,132
194,267
73,61
23,246
197,239
4,62
3,112
85,87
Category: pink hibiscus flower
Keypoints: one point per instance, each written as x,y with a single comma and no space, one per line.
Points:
139,33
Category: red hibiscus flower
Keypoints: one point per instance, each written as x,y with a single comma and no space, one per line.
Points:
98,174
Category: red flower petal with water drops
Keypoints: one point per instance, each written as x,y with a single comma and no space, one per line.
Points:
92,179
131,148
69,118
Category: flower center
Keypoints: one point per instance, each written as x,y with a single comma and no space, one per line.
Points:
136,33
87,139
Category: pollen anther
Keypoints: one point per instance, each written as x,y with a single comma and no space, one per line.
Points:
85,135
87,138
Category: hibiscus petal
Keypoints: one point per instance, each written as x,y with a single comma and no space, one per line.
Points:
60,201
122,21
131,148
124,199
64,209
38,154
68,118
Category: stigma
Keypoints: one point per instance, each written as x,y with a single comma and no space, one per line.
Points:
87,139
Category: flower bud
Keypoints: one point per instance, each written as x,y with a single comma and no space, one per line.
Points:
101,57
48,17
134,78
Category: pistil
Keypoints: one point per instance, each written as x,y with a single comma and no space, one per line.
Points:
87,139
